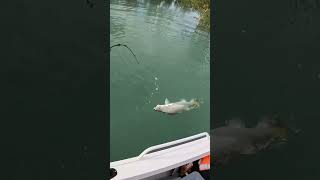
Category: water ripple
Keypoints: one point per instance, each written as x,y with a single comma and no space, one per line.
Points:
174,58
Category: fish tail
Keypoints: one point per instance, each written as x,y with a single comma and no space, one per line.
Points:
195,103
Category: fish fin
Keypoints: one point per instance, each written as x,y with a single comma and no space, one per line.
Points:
249,150
166,101
235,123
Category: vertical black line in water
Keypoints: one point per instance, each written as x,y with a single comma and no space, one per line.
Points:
107,82
212,71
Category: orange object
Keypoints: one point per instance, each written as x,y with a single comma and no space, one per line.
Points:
204,163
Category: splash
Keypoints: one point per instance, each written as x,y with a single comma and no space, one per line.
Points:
155,90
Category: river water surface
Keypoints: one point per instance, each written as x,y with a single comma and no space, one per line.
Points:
173,57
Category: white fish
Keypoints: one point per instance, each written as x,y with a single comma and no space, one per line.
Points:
177,107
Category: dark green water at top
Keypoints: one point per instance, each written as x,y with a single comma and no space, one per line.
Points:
174,64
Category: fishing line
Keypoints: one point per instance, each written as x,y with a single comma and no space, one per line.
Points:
118,45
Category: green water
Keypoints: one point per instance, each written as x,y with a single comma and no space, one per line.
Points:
174,64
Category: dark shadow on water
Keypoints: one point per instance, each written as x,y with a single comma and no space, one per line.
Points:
266,64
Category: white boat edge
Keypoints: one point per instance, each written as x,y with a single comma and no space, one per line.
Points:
158,161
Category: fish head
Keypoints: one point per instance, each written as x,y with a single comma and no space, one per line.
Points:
158,108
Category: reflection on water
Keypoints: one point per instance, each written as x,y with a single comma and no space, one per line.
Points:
174,58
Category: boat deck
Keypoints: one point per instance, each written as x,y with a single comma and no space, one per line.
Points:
161,161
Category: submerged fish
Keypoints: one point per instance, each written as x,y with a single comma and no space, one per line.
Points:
177,107
234,139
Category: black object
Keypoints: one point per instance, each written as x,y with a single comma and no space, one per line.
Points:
113,172
118,45
205,174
